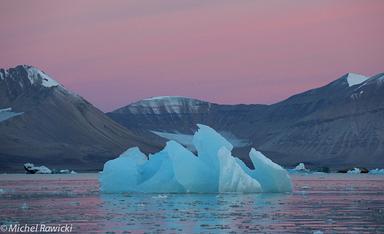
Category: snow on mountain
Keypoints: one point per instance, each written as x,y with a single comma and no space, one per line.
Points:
54,124
35,76
354,79
165,97
26,75
169,104
7,113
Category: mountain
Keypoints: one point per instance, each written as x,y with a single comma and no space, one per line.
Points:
338,125
43,123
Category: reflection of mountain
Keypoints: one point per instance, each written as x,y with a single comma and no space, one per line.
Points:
337,125
43,123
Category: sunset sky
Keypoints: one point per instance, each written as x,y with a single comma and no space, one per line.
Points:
241,51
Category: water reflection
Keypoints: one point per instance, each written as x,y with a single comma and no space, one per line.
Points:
193,212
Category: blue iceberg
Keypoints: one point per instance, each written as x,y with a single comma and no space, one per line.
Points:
175,169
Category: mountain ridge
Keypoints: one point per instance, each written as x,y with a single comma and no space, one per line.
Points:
57,128
336,122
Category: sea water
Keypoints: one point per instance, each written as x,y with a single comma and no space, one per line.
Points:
330,203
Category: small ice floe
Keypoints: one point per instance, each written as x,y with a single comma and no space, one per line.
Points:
67,171
305,187
160,196
354,171
24,206
318,232
30,168
330,221
300,168
74,203
377,171
2,191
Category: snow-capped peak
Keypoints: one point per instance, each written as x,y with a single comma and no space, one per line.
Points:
354,79
166,104
34,75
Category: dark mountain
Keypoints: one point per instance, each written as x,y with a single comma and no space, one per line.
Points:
43,123
338,125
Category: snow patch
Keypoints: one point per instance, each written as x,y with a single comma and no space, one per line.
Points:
166,104
7,113
164,97
35,76
354,79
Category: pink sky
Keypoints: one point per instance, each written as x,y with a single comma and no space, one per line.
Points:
116,52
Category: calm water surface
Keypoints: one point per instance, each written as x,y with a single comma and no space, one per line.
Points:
331,203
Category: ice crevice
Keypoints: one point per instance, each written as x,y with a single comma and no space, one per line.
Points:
175,169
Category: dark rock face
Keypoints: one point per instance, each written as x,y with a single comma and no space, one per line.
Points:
56,128
337,126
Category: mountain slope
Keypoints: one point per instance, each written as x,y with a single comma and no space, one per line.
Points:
338,125
55,127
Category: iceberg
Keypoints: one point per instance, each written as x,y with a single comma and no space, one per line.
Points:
376,171
300,168
175,169
30,168
354,171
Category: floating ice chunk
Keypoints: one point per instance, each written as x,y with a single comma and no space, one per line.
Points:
300,168
160,196
175,169
32,169
354,171
66,171
24,206
377,171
